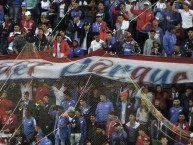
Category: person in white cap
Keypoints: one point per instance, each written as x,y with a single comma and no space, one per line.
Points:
28,23
186,14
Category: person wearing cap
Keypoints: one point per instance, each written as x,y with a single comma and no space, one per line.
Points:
111,121
96,26
187,44
169,41
75,50
130,46
86,37
144,22
60,126
28,23
103,108
103,31
60,47
124,107
119,135
186,14
142,4
146,141
41,140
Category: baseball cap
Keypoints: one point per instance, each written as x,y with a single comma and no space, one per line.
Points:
124,94
117,124
99,15
24,4
146,139
71,109
28,13
133,1
39,134
186,2
146,3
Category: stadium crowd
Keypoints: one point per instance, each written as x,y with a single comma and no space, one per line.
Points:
71,111
74,28
63,113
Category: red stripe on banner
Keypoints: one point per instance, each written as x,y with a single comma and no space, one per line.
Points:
102,53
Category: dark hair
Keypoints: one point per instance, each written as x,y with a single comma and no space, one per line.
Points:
66,92
26,93
152,30
77,109
111,113
101,2
45,24
83,99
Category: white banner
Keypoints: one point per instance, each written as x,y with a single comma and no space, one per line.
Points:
113,68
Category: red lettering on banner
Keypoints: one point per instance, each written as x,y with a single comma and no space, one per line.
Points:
100,67
32,68
180,76
141,75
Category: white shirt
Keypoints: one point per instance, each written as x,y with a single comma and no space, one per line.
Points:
96,45
186,18
62,6
27,87
84,45
58,94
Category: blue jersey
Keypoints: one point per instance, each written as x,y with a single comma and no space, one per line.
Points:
45,141
29,127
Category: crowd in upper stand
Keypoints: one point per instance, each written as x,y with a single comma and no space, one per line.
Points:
71,111
70,29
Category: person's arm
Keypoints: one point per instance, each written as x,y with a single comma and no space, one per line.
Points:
135,12
173,7
67,49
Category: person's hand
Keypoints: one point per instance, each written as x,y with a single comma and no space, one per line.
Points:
6,130
73,125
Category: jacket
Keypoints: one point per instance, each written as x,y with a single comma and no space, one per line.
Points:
61,122
128,110
83,130
67,103
109,126
169,40
143,18
102,110
64,47
119,137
